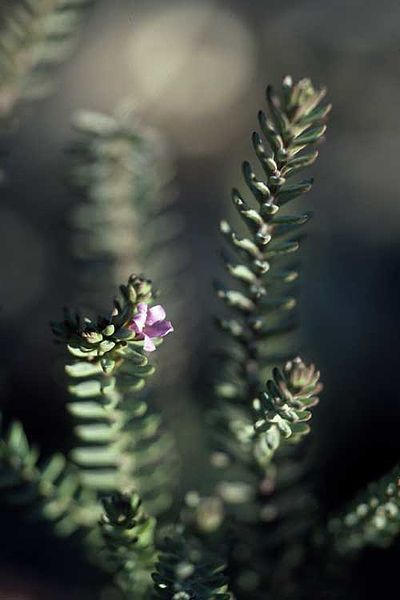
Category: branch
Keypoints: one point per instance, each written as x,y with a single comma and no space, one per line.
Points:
253,421
261,296
119,441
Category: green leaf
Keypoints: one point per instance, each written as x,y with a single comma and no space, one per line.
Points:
83,369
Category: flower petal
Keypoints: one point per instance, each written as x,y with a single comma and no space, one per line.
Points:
148,344
154,314
139,320
159,329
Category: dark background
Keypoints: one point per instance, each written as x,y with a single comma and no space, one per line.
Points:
197,70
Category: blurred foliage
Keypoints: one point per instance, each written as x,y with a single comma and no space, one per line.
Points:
36,35
121,170
47,489
185,571
373,518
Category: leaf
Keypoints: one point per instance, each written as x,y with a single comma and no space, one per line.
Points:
83,369
86,389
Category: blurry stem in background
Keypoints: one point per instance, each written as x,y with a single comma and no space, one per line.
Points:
119,169
36,36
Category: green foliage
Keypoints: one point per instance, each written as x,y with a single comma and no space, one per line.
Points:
372,519
268,510
279,415
44,489
252,422
186,572
183,570
262,296
119,444
259,515
128,536
36,35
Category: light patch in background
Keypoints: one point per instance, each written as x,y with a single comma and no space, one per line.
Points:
21,264
190,63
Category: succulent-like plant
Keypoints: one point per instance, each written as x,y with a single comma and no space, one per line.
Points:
119,442
257,533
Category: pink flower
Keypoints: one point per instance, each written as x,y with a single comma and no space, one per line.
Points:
150,323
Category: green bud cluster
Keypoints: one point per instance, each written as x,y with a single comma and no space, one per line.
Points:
128,538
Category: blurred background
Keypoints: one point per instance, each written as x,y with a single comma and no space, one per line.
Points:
196,70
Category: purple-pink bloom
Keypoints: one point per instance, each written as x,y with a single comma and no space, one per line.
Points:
149,323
